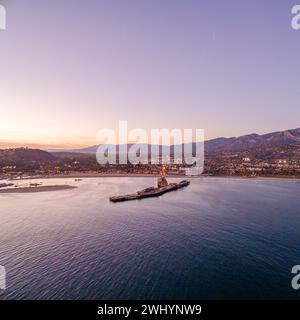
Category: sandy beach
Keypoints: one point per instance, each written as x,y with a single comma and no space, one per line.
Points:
37,189
77,175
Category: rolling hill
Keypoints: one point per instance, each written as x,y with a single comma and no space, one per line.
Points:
24,155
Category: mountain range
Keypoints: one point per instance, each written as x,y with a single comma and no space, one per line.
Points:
264,147
250,141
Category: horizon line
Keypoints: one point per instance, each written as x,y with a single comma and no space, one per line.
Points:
70,146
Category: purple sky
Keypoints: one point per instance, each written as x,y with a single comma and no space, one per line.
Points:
71,67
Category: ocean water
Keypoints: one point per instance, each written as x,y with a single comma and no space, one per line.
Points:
217,239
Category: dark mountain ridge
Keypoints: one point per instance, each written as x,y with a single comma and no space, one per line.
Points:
249,141
278,141
274,139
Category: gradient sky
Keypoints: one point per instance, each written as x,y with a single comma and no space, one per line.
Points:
71,67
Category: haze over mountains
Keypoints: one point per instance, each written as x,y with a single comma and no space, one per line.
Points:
271,154
250,141
278,141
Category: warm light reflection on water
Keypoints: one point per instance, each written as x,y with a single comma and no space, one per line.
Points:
218,238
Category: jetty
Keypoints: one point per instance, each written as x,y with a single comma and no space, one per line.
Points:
163,186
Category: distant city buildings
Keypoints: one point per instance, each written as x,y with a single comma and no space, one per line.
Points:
259,162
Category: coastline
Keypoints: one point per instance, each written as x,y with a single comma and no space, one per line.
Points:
37,189
142,175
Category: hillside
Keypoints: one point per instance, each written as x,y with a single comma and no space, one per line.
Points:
270,140
20,156
250,141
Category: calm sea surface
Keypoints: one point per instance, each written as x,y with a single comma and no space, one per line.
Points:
216,239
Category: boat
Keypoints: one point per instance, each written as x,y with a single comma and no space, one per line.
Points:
4,185
162,187
35,184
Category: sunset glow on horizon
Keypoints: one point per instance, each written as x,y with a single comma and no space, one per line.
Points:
70,69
